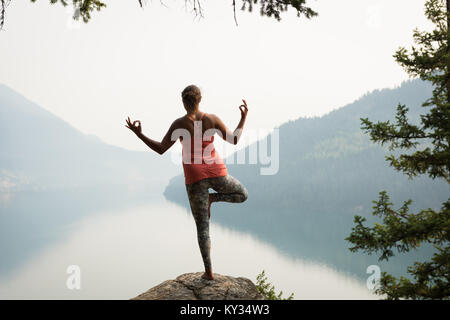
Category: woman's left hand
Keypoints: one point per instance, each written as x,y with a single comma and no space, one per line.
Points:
136,129
244,109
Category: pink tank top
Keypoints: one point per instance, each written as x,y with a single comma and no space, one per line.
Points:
202,160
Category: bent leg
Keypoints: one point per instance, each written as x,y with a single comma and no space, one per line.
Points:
228,189
199,201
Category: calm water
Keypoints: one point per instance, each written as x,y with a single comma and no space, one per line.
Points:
126,242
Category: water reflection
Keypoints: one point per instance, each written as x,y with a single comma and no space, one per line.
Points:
302,234
123,250
29,221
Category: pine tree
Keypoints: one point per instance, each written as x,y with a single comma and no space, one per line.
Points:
402,230
269,8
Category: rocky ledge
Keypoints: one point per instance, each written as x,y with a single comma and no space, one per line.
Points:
191,286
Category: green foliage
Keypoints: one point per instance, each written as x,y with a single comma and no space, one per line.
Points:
269,8
268,290
82,8
274,8
400,229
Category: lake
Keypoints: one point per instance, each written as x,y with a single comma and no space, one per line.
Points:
127,241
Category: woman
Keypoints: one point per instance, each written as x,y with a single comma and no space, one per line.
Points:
203,168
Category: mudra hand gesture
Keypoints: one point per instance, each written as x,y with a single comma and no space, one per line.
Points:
136,129
244,109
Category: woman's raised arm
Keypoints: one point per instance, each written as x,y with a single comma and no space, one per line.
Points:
227,135
159,147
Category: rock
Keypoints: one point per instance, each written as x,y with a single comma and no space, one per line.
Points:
191,286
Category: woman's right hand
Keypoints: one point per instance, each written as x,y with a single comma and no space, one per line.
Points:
244,109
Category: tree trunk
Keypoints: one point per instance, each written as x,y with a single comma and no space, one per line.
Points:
448,51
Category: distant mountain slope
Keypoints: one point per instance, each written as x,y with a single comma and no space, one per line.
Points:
41,151
329,171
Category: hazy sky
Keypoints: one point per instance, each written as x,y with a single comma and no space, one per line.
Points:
132,62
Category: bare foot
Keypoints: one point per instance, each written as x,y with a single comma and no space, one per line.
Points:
208,276
209,206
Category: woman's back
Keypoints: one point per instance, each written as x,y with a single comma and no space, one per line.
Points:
200,159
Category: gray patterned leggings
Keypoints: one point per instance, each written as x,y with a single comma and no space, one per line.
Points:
228,189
